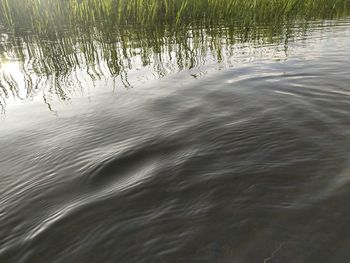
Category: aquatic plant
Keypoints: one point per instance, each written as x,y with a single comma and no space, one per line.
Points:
40,14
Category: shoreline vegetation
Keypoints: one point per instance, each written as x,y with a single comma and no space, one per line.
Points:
50,40
52,13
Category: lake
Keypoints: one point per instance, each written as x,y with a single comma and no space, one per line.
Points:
143,141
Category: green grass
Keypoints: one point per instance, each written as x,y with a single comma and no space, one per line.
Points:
43,14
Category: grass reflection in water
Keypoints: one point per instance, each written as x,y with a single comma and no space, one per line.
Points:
58,45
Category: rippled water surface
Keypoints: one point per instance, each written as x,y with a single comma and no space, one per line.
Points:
220,150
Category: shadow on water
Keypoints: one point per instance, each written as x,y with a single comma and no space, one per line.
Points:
55,49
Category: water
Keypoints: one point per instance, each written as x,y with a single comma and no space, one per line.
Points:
215,148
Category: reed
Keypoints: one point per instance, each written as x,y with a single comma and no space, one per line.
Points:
47,13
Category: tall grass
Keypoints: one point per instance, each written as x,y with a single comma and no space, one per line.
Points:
42,13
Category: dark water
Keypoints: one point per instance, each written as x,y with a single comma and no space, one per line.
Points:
243,159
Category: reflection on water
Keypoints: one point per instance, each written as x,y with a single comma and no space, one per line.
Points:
241,165
39,58
60,63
